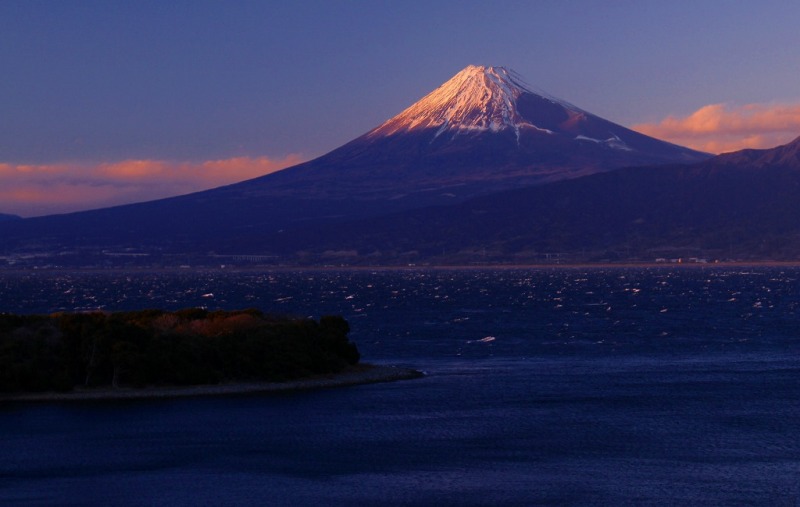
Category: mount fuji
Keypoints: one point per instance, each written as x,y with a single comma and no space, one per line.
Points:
481,132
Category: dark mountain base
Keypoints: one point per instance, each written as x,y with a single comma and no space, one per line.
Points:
631,215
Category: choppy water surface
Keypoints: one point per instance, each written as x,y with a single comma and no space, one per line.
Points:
562,386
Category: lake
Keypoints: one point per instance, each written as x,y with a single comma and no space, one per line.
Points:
562,386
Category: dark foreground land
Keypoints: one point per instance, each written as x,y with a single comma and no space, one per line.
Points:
153,353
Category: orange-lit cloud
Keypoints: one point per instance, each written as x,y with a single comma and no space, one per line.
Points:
719,128
32,190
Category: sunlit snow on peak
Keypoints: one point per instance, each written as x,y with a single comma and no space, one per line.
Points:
477,99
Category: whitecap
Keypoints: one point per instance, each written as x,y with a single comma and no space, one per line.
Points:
486,339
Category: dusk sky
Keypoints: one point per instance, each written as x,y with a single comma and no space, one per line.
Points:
105,102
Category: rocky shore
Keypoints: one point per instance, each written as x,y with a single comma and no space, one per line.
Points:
356,375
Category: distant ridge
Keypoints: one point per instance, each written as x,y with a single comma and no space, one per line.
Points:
6,216
786,156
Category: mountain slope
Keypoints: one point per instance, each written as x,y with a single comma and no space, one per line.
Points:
744,205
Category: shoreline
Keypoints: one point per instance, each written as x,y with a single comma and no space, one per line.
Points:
362,374
403,267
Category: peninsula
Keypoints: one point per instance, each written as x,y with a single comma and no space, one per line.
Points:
191,352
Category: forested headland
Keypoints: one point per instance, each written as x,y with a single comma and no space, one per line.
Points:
62,351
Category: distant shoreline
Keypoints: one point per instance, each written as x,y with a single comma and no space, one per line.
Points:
406,267
357,375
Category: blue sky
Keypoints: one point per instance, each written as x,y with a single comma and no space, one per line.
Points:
182,83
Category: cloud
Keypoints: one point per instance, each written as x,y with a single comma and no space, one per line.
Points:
718,128
32,190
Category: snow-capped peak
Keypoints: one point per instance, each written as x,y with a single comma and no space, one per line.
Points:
476,99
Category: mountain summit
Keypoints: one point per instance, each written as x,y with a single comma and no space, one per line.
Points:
474,100
494,99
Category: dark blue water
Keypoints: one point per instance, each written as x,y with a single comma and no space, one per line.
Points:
544,387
